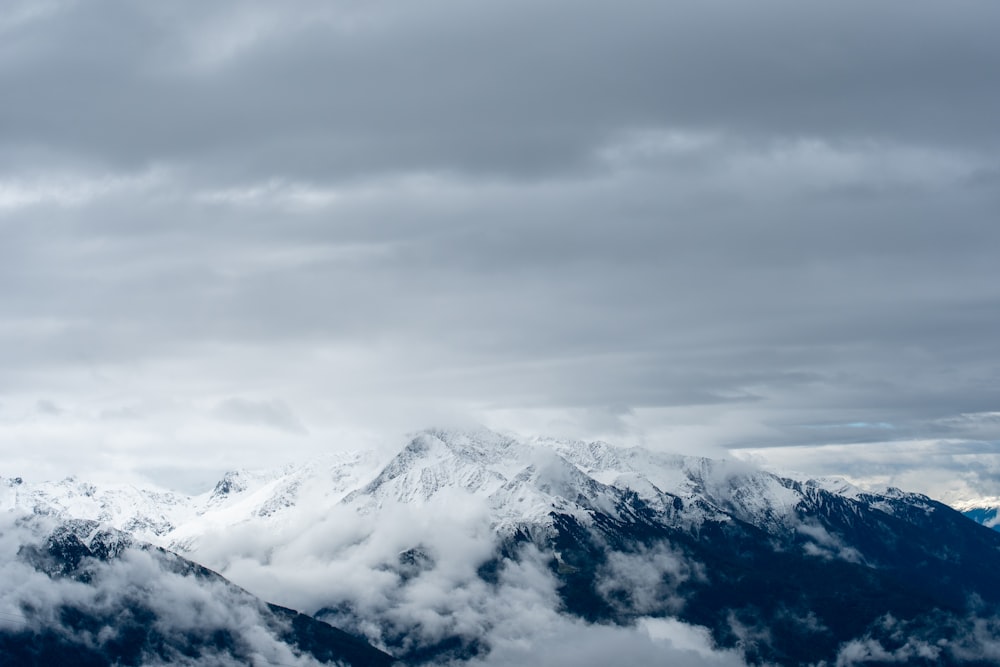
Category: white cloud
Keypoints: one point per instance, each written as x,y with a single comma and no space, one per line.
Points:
347,566
270,413
183,606
71,190
949,470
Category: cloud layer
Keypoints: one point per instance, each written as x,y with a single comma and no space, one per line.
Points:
237,234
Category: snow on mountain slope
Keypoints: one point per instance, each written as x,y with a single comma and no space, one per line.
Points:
176,520
521,481
430,463
266,496
526,480
147,514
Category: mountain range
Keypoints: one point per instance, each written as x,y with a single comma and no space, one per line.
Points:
482,548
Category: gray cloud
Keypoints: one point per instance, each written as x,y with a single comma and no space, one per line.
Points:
951,469
668,222
274,414
514,87
47,407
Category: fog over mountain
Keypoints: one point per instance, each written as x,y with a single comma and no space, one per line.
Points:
75,592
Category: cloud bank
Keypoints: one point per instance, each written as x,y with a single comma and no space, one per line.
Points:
248,232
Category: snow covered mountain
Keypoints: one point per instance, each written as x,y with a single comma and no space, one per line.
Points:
166,518
522,482
480,547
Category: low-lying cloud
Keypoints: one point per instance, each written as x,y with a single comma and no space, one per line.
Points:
408,580
184,610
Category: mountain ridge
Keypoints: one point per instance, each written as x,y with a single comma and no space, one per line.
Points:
438,540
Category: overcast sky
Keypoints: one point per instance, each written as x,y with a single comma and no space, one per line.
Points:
238,233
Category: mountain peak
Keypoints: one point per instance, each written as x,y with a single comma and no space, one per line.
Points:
232,482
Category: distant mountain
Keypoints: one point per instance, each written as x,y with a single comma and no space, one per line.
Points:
482,548
985,511
77,593
166,518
